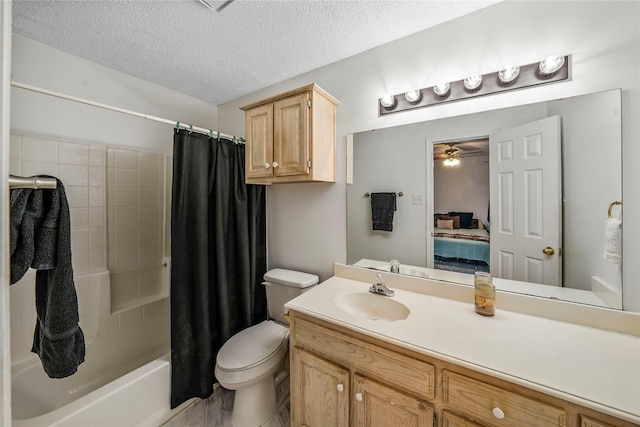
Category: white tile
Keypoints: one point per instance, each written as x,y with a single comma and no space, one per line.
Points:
38,149
126,215
148,161
32,168
14,147
79,217
126,253
152,312
126,178
96,176
96,196
23,319
80,261
149,250
126,159
78,197
148,214
126,234
73,153
111,157
97,258
73,174
79,239
14,167
126,196
148,196
96,238
97,156
21,347
96,217
22,294
148,179
148,231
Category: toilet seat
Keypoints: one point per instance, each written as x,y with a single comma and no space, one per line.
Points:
252,346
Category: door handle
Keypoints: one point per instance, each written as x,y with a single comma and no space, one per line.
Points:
548,251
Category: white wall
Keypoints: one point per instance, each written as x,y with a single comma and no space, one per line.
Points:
307,223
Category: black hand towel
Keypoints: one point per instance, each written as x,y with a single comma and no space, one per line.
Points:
41,238
382,207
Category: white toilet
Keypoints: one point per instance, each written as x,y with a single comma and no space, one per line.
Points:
253,362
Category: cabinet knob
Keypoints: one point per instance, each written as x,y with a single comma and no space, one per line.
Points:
275,165
359,397
498,413
267,165
340,387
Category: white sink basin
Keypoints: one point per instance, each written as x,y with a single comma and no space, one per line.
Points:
372,306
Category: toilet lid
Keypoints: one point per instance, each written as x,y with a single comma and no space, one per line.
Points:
251,346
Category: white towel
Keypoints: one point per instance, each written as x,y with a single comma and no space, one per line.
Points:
613,241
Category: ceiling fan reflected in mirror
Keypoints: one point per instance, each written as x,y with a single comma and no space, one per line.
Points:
451,153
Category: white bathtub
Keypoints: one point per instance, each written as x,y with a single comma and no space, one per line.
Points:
138,398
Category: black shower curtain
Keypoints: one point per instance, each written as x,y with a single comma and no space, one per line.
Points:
218,257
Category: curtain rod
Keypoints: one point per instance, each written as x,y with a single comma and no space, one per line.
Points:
129,112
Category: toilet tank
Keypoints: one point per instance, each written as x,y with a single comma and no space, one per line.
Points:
283,286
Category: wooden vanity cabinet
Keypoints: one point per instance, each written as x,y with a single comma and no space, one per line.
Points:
291,137
340,377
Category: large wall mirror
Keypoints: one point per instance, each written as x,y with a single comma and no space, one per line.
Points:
539,228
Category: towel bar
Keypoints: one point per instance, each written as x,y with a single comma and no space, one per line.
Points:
399,194
617,202
35,182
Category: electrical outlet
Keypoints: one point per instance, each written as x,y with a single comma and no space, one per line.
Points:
418,199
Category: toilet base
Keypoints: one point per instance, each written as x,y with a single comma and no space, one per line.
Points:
254,405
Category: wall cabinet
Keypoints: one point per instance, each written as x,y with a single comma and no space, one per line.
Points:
340,377
291,137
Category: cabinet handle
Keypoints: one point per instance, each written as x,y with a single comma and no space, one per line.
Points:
359,397
498,413
340,387
267,165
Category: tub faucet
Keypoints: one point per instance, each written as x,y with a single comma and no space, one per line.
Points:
395,266
380,288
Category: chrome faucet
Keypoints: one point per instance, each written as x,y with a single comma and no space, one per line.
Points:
380,288
395,266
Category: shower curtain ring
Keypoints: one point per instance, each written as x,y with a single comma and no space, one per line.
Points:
218,136
190,129
210,133
177,126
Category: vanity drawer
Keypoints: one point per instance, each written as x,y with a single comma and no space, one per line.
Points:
484,403
412,375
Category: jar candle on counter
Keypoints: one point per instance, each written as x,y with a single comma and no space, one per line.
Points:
485,301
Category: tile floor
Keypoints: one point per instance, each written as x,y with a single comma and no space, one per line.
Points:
216,412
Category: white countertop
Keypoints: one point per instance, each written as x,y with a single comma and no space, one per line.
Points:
592,367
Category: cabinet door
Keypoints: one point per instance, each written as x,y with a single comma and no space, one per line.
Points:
377,405
291,136
259,147
319,392
452,420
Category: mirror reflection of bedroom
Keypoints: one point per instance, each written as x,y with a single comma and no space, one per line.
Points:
461,206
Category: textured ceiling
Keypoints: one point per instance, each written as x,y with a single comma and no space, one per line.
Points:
220,56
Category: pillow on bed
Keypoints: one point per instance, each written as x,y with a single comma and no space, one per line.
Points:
465,218
456,219
445,223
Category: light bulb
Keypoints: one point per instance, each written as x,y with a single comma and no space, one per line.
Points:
551,64
508,73
441,88
413,95
451,161
388,101
473,81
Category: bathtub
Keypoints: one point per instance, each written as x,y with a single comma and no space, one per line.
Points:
137,398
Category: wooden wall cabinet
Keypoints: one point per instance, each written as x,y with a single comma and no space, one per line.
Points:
340,377
291,137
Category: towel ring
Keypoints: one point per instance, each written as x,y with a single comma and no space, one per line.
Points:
617,202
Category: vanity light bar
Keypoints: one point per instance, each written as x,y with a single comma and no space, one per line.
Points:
491,83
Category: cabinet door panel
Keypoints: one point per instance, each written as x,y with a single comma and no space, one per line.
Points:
452,420
375,405
291,135
259,147
319,392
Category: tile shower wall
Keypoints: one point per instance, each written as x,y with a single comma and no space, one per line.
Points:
135,200
83,170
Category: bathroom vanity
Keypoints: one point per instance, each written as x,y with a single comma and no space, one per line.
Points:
424,357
